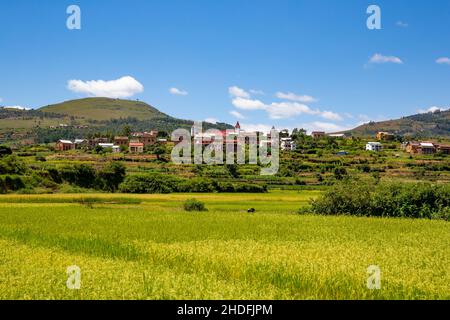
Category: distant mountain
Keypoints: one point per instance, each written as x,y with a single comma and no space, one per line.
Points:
101,109
424,125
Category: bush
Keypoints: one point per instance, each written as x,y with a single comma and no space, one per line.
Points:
110,177
11,183
11,164
81,175
367,198
149,183
194,205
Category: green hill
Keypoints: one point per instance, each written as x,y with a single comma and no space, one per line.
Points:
425,125
101,109
87,117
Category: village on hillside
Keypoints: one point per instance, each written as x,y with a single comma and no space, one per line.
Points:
137,142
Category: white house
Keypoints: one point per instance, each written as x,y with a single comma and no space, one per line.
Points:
116,149
106,145
287,144
374,146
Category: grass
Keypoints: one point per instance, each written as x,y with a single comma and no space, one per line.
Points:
150,248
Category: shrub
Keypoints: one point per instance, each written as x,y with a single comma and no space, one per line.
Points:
194,205
149,183
110,177
81,175
367,198
11,183
11,164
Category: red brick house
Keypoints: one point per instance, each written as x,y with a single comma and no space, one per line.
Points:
64,145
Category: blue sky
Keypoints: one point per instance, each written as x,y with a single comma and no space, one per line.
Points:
311,64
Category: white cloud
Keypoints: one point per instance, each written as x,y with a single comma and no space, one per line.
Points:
279,110
211,120
249,127
294,97
433,109
121,88
324,126
248,104
178,92
284,110
402,24
443,60
257,92
236,114
17,107
379,58
330,115
238,92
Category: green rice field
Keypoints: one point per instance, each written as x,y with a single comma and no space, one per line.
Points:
148,247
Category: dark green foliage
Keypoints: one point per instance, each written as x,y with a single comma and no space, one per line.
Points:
110,177
364,198
11,183
233,170
149,183
158,183
194,205
4,151
12,165
81,175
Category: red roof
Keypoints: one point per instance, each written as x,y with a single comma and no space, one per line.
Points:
238,125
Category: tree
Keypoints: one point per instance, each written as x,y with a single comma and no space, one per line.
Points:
126,130
4,151
159,150
112,176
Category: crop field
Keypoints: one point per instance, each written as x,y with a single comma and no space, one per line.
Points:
148,247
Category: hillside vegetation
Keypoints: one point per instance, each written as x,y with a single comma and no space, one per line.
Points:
105,109
424,125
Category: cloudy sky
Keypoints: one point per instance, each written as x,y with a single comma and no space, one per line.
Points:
311,64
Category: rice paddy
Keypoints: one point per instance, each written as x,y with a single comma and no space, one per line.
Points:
148,247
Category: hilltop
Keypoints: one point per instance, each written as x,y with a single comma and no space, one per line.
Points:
102,109
426,125
82,117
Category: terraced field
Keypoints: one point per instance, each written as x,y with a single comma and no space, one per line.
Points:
148,247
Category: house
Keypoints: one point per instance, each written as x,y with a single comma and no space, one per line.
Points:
162,141
64,145
412,147
337,135
121,141
318,134
385,136
116,149
374,146
106,145
444,149
136,147
287,144
147,138
96,141
421,148
80,143
427,148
